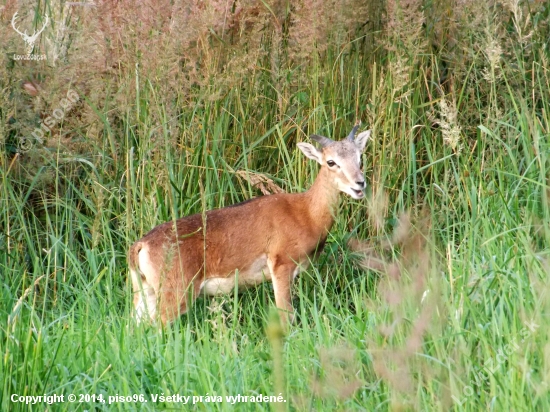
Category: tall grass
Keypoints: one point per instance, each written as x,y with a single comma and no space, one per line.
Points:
439,304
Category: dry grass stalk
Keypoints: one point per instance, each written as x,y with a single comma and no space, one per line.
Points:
405,43
406,289
447,120
260,181
339,370
184,51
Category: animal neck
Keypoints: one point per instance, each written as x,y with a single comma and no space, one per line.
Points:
323,198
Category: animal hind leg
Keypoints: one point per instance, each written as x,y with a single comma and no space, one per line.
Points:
145,298
176,298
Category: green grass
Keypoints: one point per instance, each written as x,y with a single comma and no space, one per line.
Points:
362,341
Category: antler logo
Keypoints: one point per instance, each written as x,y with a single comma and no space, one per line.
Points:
29,40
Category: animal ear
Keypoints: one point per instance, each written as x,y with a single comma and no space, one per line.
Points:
310,151
361,139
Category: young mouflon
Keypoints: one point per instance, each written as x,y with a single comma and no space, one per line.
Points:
269,238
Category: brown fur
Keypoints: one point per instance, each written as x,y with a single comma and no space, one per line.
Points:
178,257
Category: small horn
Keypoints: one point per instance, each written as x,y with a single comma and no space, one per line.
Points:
351,135
322,140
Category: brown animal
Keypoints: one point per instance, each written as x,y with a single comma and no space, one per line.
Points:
267,238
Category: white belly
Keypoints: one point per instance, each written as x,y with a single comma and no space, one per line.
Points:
257,273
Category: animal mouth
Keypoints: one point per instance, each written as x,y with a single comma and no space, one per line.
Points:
359,193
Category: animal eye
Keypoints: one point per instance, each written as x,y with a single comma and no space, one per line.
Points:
331,163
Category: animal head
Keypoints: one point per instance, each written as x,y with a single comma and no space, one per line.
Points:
342,159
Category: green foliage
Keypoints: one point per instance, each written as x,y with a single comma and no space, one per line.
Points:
442,305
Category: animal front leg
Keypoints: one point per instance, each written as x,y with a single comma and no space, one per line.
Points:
282,275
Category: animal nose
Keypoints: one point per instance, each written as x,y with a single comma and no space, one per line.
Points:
361,183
